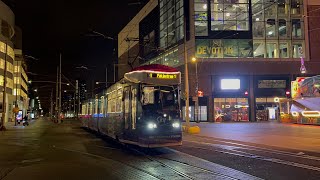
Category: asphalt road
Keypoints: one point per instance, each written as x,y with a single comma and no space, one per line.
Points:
45,150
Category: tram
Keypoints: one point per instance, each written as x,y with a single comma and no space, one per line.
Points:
142,109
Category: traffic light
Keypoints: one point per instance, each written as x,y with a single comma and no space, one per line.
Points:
246,93
288,94
200,93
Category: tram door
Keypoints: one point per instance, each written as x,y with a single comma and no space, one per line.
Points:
127,107
134,108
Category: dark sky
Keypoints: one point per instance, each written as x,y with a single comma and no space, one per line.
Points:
53,26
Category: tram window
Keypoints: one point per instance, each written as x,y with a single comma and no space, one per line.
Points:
118,104
148,95
113,105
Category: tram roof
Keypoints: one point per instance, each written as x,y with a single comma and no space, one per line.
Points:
154,74
155,68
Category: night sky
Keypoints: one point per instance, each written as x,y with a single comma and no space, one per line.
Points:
53,26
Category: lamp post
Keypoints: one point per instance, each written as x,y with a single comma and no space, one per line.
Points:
196,114
186,76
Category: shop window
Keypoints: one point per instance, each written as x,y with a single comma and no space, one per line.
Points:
231,109
202,116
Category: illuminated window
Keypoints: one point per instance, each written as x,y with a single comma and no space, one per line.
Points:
201,17
232,15
16,92
1,63
2,47
171,22
277,25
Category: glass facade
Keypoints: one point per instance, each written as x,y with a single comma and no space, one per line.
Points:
169,59
276,28
230,15
171,22
202,115
201,17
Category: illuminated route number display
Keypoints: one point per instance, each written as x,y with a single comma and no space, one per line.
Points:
162,76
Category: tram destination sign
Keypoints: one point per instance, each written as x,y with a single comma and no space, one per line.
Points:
162,76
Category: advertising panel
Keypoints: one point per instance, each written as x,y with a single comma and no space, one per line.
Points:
281,84
223,48
19,116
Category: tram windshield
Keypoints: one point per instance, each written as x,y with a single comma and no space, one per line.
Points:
160,97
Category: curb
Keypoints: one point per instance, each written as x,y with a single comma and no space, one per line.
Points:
191,130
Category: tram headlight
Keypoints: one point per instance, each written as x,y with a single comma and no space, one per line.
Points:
152,125
176,125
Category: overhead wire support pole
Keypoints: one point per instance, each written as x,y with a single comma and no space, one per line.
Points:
59,109
57,94
186,75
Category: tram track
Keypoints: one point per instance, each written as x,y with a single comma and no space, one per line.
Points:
234,151
260,149
160,160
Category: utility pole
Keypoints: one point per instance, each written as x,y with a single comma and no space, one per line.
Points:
186,75
51,105
106,77
4,90
57,91
76,97
16,104
59,109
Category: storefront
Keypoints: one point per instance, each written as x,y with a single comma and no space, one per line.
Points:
269,92
202,113
231,101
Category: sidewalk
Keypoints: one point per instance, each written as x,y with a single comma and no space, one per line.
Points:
11,125
292,136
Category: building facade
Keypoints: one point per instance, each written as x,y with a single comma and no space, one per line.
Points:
247,51
7,56
11,55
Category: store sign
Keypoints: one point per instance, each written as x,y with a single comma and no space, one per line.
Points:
162,76
272,84
225,48
230,84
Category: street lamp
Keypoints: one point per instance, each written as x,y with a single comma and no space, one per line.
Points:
194,60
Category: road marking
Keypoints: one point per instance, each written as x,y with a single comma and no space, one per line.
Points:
32,160
223,168
261,149
253,156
